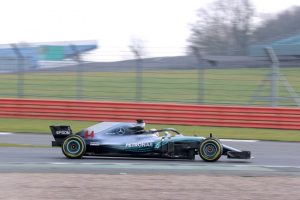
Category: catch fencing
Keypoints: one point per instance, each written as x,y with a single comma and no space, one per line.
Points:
212,80
157,113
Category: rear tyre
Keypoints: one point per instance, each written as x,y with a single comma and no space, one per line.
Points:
73,147
210,149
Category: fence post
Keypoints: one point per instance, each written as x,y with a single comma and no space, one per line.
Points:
79,72
139,74
201,74
139,79
274,75
274,78
20,71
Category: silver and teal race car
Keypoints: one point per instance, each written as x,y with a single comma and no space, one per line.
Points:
132,140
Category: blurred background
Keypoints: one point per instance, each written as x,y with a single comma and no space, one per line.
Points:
227,52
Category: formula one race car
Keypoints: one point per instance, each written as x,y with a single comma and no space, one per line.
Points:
132,140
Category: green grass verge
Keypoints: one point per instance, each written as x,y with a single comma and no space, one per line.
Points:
42,126
22,145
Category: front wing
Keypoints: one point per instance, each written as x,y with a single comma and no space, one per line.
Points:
239,154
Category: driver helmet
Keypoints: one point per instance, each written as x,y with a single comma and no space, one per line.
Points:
154,131
167,134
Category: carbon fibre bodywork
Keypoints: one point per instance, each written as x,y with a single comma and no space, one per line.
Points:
132,140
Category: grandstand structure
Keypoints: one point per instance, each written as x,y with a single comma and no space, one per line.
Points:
287,46
29,56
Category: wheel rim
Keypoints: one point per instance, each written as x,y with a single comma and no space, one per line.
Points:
210,150
73,147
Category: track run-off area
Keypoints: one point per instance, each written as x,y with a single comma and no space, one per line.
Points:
269,158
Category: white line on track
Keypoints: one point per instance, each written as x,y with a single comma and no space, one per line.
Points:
201,165
232,140
60,163
5,133
270,166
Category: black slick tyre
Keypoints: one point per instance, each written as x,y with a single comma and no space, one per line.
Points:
210,149
73,147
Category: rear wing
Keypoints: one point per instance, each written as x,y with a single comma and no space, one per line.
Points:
60,132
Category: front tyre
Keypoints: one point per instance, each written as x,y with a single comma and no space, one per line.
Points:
210,150
73,147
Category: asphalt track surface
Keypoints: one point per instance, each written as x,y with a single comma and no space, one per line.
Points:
270,158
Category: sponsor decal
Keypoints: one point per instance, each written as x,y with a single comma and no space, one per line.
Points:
112,133
67,132
158,145
89,135
139,144
94,144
